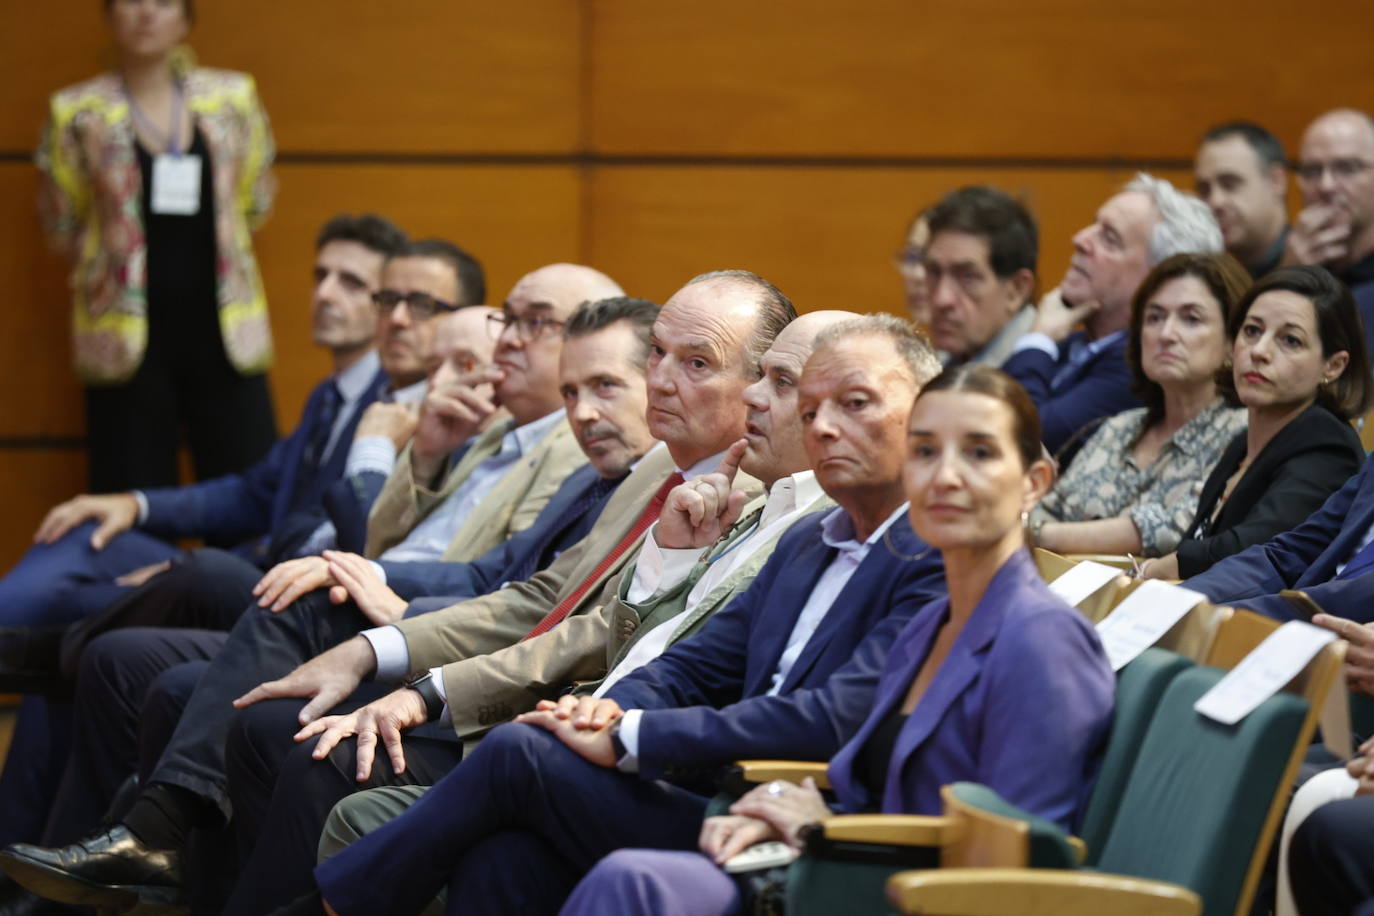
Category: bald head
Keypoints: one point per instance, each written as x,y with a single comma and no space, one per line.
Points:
1336,170
462,340
772,425
562,287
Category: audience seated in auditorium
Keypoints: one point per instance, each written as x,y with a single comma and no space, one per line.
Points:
1241,173
704,353
1079,377
1336,225
980,266
1297,364
1134,486
959,697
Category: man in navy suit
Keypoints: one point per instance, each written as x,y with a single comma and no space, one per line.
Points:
1330,556
1079,377
516,823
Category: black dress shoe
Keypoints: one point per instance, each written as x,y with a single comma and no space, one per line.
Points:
110,868
30,660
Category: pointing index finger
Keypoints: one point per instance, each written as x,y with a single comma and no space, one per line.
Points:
729,464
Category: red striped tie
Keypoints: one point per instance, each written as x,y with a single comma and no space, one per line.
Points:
631,538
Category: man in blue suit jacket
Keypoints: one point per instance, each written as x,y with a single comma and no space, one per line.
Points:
837,587
1330,556
1077,378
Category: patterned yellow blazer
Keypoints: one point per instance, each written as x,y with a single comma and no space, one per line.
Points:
90,209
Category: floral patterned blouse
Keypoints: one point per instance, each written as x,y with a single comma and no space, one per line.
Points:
1105,482
90,209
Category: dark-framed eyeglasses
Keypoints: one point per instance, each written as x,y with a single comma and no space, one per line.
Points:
527,327
421,306
1340,169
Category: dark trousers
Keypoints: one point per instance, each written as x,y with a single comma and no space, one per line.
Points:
134,429
262,646
1331,858
520,779
120,674
33,769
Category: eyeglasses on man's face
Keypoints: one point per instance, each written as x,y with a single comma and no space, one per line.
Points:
527,327
1340,169
422,306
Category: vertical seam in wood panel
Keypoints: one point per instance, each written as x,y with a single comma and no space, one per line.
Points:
585,128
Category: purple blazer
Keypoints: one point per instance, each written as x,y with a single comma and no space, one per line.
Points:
1022,704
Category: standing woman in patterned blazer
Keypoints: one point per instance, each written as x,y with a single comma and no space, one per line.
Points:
154,176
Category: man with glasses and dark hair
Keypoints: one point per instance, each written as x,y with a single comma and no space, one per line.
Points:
1241,172
1336,225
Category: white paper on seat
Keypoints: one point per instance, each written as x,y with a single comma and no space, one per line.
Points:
1263,672
1079,581
1143,618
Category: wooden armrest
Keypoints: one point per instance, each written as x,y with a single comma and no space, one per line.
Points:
789,770
1080,848
1035,892
890,829
1119,560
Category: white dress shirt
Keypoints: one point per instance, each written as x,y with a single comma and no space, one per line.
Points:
659,569
837,531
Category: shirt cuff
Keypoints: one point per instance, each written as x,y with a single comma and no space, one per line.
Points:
1037,341
658,569
629,736
379,569
371,453
393,655
142,501
437,679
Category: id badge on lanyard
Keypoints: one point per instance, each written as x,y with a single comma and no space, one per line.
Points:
176,177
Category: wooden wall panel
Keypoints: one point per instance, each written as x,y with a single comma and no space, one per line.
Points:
406,76
41,396
959,78
824,235
511,218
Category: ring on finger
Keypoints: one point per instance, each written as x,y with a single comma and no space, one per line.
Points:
775,787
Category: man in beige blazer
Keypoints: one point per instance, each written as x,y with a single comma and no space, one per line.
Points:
519,450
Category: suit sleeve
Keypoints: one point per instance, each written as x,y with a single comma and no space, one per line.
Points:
1298,489
1265,569
1104,391
347,502
1045,763
810,724
232,506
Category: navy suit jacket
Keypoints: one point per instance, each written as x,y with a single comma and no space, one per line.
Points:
734,656
1099,388
1304,558
257,500
556,528
1022,704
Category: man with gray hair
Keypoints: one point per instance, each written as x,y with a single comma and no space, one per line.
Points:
1079,377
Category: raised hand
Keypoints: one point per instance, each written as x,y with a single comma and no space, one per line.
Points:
457,405
1320,235
697,512
394,421
1056,318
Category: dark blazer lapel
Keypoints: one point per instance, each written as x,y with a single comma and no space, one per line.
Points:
960,668
770,632
1357,523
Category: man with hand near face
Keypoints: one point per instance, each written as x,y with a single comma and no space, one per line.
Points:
1335,228
1077,377
553,800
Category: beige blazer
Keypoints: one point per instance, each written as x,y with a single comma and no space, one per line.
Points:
491,673
510,507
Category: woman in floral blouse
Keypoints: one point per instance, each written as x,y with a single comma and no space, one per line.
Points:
1134,486
154,176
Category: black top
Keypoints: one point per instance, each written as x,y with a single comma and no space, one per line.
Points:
1309,459
872,763
182,286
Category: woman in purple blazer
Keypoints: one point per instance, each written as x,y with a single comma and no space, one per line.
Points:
1001,683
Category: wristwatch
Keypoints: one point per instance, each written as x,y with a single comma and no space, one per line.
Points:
423,684
617,746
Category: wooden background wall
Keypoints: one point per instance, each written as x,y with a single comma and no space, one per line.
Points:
655,141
